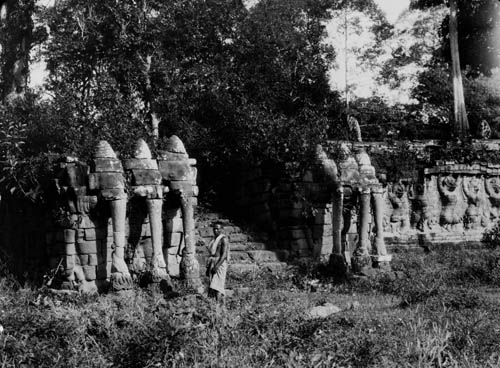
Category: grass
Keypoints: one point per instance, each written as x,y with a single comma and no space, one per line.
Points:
437,310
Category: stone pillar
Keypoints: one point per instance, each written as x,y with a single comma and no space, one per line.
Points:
107,177
120,276
147,182
179,171
158,266
381,259
189,267
361,257
337,260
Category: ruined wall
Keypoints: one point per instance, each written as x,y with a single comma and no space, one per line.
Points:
109,222
445,203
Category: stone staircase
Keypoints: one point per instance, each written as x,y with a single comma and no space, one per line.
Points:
250,252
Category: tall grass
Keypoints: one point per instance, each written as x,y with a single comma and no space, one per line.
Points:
438,310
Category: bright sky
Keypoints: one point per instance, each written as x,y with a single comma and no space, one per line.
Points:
393,8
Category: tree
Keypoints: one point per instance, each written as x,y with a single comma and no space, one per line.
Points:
16,31
459,112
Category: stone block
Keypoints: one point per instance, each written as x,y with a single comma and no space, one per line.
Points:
240,257
89,272
146,230
92,261
113,194
106,165
84,259
108,180
175,226
70,248
86,222
238,238
147,246
262,256
243,268
171,250
68,262
86,247
80,234
173,265
140,164
173,239
146,177
175,170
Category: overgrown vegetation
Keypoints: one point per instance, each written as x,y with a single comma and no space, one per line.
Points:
438,309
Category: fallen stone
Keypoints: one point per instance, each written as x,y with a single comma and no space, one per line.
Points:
322,311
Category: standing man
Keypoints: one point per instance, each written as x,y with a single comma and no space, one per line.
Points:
218,249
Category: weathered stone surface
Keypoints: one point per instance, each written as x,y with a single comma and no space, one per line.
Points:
106,180
146,177
90,272
140,164
110,165
323,311
261,256
241,268
86,246
238,238
103,150
113,194
92,261
240,257
83,259
175,170
70,248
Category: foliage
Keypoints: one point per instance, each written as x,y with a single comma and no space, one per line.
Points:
211,72
265,323
491,237
479,52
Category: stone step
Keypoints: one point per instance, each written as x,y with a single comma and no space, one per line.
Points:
267,256
248,246
251,256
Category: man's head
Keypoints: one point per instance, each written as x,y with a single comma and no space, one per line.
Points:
217,227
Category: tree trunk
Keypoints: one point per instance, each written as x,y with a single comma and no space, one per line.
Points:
148,96
15,19
460,115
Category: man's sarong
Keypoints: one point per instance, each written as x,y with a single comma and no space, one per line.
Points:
218,279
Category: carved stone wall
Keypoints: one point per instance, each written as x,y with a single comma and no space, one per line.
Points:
453,203
446,203
108,222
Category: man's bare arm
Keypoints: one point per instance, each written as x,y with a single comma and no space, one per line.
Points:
224,245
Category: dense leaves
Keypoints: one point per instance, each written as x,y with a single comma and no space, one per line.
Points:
236,85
